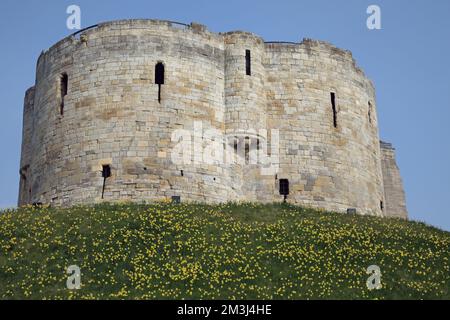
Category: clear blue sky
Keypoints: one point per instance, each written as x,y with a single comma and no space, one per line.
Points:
408,60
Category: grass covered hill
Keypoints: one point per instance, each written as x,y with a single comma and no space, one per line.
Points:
230,251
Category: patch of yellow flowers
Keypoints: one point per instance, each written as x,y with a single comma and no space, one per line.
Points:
227,251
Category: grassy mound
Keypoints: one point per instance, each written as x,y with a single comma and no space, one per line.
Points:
231,251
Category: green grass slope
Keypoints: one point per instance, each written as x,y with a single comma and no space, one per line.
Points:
231,251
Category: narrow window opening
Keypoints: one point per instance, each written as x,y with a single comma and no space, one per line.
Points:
248,63
176,199
235,145
64,87
106,173
247,150
258,144
333,105
370,112
159,78
284,188
182,173
381,205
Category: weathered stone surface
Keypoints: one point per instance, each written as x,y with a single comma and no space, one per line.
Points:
393,185
112,117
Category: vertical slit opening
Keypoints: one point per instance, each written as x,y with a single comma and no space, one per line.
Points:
333,106
64,87
369,112
106,173
248,63
159,78
247,150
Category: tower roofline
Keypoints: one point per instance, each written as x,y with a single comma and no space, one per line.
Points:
200,28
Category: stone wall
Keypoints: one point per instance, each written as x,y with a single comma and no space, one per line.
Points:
393,184
26,160
332,167
112,116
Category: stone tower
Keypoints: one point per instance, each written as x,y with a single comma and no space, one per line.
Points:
124,95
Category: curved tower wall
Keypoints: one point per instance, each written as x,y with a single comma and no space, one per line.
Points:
329,167
245,102
112,116
245,110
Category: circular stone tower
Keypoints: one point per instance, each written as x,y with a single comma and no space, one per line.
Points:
128,111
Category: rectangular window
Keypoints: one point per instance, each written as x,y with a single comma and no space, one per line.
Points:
248,63
333,105
159,77
64,87
284,187
106,171
159,73
247,150
64,84
176,199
